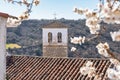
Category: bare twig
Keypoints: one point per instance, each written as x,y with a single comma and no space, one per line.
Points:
112,55
89,39
77,54
28,5
14,17
112,5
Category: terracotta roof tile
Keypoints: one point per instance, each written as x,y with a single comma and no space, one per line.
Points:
55,24
4,15
41,68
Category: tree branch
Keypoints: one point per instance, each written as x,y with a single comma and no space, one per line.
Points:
89,39
112,55
77,54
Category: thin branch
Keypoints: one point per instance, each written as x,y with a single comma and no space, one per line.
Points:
14,17
112,55
28,5
89,39
29,10
112,5
77,54
18,2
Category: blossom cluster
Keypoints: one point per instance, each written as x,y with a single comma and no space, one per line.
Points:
13,22
93,25
88,69
92,19
78,40
25,2
108,12
115,35
102,49
114,73
73,49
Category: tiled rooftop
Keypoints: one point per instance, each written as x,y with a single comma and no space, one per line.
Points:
42,68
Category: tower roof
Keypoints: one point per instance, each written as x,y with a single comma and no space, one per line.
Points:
55,25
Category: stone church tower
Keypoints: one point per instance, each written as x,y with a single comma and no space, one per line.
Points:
55,40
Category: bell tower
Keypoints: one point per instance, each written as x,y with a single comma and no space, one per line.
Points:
55,40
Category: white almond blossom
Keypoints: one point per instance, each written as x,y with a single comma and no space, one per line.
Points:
100,6
103,46
118,67
91,72
84,70
13,22
83,39
108,12
36,2
115,35
78,40
92,21
113,74
116,64
89,64
94,29
90,14
109,19
106,9
73,49
98,77
102,49
86,12
88,69
23,16
79,11
117,20
103,52
111,15
114,61
116,12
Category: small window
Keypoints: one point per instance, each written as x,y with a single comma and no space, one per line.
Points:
59,35
49,37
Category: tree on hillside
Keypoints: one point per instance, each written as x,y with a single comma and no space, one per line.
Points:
108,11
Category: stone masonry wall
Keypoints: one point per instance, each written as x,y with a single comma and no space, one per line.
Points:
56,51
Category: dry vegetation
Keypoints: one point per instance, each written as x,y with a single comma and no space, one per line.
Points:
29,36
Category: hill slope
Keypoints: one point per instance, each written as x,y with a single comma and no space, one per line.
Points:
29,36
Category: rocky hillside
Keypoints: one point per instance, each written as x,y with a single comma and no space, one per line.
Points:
29,36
